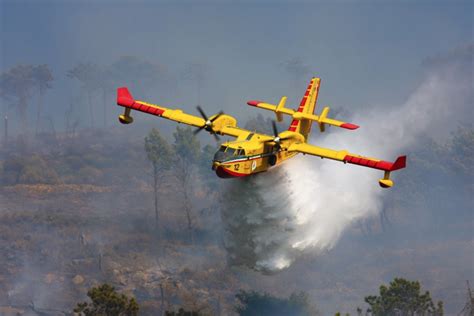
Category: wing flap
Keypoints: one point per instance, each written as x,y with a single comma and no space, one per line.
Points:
318,151
181,117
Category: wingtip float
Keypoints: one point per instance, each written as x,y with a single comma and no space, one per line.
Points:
253,152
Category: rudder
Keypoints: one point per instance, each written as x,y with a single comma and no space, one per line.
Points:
308,106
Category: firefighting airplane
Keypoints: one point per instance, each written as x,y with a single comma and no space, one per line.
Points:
254,152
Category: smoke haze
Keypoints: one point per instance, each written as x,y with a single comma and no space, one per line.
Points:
307,204
310,223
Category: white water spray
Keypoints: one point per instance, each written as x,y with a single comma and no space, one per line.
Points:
306,204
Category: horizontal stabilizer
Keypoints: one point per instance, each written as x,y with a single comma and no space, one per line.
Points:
321,119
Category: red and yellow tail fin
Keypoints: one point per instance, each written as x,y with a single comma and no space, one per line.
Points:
307,106
304,116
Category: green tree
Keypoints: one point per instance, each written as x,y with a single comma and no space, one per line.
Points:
42,78
105,301
260,124
468,309
160,154
106,86
187,150
16,86
90,76
253,303
205,171
403,298
31,169
140,76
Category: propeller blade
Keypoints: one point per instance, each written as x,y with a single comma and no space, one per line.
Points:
196,131
217,116
201,111
207,126
275,130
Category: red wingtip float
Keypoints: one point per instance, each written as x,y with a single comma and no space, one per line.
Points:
254,152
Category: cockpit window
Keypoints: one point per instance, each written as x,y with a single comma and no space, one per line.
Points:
241,152
230,151
223,148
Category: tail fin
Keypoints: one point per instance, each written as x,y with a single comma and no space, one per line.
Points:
304,116
307,106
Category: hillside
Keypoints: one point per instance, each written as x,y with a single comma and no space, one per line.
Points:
78,211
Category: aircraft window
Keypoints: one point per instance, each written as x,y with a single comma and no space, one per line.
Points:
230,151
241,152
222,149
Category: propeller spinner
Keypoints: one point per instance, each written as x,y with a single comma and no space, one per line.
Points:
277,139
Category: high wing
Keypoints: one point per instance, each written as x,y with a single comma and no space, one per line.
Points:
346,157
223,125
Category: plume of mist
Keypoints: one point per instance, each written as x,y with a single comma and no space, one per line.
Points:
306,204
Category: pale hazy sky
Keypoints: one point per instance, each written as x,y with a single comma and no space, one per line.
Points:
366,52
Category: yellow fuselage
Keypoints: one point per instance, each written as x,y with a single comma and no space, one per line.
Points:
247,155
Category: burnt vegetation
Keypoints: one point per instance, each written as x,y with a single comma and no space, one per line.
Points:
87,205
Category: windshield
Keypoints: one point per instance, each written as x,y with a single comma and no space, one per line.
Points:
226,153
